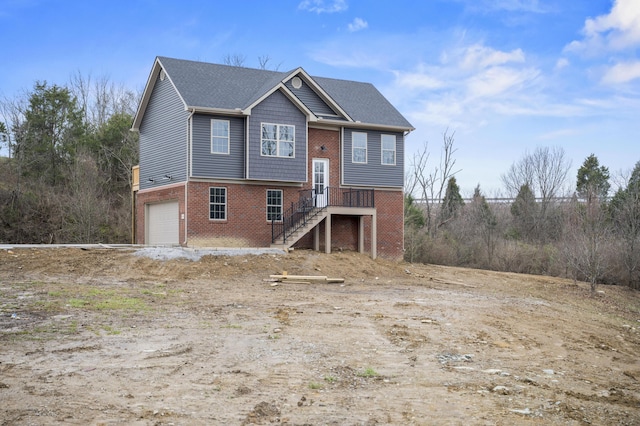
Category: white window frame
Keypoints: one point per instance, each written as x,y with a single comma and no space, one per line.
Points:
354,148
390,139
214,136
278,141
275,206
225,204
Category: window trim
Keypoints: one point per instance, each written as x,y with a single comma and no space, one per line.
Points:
278,141
213,121
394,150
366,147
281,206
226,203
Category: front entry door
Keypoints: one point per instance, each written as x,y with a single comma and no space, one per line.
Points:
320,181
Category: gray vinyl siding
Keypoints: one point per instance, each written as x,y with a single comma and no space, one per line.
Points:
373,173
311,100
277,109
163,138
204,164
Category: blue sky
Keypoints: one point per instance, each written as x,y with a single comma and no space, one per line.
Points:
506,75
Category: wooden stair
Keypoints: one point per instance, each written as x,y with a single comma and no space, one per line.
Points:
301,231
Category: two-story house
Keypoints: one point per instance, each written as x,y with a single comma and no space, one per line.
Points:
241,157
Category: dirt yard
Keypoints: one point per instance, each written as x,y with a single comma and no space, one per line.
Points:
107,337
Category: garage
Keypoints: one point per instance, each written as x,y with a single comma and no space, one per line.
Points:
162,223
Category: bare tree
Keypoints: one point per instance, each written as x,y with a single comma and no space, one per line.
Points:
263,61
12,115
545,173
430,186
625,212
235,59
86,209
100,98
586,239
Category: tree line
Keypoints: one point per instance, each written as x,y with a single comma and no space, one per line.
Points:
583,232
67,176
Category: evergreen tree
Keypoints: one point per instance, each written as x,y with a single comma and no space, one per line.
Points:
525,211
52,132
413,216
592,180
452,202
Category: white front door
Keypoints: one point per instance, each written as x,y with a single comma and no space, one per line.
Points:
320,181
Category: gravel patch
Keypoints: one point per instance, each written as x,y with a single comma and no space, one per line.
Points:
168,253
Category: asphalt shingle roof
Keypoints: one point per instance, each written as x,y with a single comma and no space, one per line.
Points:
206,85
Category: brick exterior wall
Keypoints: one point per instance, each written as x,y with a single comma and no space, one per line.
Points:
390,210
164,194
246,224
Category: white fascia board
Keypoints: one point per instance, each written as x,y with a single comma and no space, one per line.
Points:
209,110
372,126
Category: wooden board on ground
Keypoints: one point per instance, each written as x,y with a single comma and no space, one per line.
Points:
305,279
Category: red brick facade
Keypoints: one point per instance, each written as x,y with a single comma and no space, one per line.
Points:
168,193
246,224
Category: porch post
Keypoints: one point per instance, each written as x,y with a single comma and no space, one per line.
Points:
316,237
327,234
374,235
360,234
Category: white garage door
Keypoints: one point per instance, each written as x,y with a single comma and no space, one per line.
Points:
162,223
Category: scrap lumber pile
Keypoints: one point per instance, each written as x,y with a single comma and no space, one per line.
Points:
303,279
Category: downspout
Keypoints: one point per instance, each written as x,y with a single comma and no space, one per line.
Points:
246,147
186,184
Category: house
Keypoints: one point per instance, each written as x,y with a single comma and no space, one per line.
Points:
240,157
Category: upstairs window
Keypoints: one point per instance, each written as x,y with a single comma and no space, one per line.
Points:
219,136
274,205
217,203
278,140
389,150
359,147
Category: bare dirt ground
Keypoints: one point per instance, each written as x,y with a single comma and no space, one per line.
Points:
107,337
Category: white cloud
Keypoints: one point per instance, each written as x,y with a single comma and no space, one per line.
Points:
622,72
469,87
357,25
562,63
616,31
420,78
320,6
498,81
479,56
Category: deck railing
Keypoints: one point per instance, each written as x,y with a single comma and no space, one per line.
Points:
311,203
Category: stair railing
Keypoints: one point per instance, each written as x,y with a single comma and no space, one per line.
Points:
311,203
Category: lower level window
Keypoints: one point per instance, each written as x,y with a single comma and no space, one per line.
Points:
274,205
217,203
